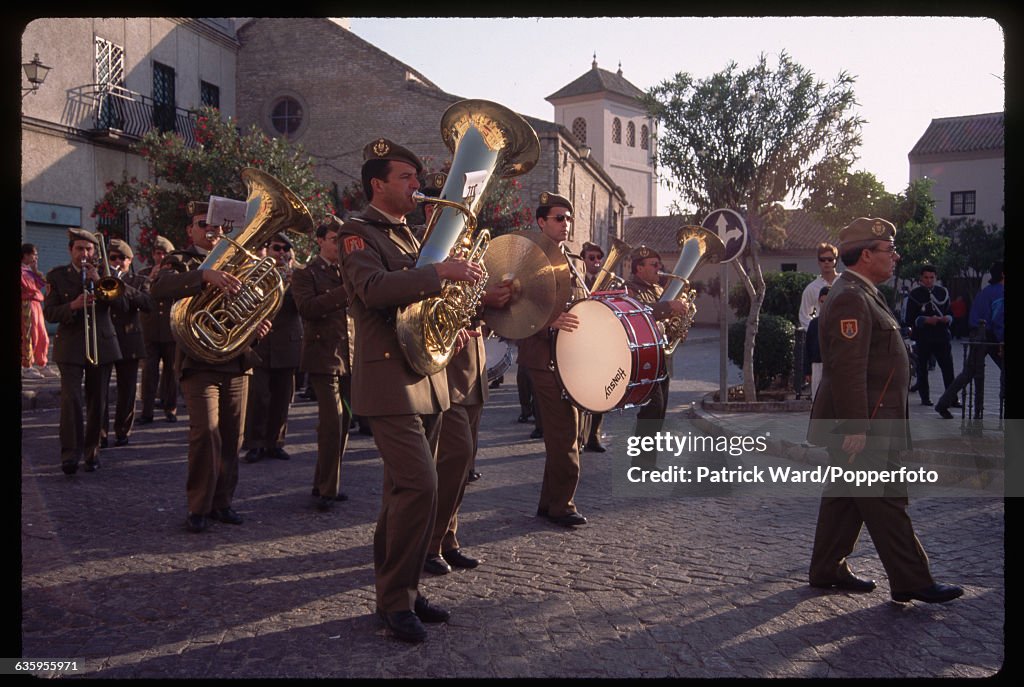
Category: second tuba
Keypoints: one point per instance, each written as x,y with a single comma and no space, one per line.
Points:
485,138
697,246
215,327
607,278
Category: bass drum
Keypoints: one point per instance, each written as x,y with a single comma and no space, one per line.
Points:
500,354
615,358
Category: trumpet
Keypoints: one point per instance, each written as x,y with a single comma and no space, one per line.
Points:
607,278
108,288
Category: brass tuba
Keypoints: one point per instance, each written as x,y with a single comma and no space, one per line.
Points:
215,327
607,276
485,138
697,247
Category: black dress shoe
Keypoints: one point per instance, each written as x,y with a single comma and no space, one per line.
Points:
473,476
936,594
121,441
145,420
404,625
170,417
537,434
196,523
254,455
278,453
595,446
436,566
457,559
945,414
913,388
430,614
926,402
92,465
323,504
226,515
850,583
568,520
523,419
69,467
955,404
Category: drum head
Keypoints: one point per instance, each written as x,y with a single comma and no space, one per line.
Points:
594,362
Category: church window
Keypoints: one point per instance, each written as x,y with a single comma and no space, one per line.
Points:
645,136
616,130
631,134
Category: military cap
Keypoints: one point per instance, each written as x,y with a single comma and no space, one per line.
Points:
550,200
642,252
434,184
383,149
588,246
867,229
121,247
279,237
82,235
163,244
197,207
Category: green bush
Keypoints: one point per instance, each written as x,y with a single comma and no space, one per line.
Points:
782,294
773,349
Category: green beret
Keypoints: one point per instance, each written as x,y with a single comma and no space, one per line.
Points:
866,229
82,235
641,253
121,247
434,184
383,149
550,200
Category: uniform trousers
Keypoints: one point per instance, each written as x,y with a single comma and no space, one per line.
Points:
561,445
840,519
216,414
270,397
333,419
455,452
649,421
407,445
74,443
942,350
127,373
159,380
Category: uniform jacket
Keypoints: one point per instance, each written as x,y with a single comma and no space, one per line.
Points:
127,324
922,303
378,265
865,371
156,323
535,351
467,374
65,285
322,302
282,347
177,284
649,294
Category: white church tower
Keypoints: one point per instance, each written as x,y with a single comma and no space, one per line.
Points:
601,109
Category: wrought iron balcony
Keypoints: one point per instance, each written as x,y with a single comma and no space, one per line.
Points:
118,113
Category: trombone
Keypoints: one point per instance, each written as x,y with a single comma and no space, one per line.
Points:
107,289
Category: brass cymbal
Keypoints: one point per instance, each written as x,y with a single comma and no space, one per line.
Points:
540,282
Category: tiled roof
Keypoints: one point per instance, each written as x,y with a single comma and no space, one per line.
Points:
962,135
803,232
598,80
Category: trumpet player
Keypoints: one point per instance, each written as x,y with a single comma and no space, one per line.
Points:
644,286
214,392
592,255
158,378
82,320
378,265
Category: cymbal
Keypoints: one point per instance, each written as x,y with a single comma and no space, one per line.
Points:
540,282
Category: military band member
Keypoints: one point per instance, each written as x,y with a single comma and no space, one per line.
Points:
68,303
159,379
591,435
860,414
644,286
214,392
560,417
322,302
129,338
378,261
273,377
929,318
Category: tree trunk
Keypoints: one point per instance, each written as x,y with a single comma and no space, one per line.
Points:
755,290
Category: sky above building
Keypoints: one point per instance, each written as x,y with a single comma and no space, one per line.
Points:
908,70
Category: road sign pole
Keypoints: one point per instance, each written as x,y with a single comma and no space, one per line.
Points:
723,336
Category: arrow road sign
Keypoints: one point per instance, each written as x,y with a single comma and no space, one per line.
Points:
731,228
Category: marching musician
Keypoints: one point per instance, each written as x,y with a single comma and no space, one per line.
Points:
403,407
644,286
214,392
158,376
273,377
70,303
561,418
593,255
322,302
128,326
460,425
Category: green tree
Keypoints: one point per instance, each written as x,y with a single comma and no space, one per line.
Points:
841,197
181,173
747,140
973,248
917,240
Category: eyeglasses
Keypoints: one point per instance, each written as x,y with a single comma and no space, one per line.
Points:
114,257
828,259
890,248
594,258
277,249
559,218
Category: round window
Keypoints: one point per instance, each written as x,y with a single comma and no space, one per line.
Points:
286,117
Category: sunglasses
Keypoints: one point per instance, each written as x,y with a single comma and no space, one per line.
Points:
278,249
114,257
828,259
888,249
560,218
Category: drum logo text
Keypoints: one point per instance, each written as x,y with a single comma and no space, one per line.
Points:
619,376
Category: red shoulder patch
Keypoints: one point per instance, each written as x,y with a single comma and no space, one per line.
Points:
848,328
353,243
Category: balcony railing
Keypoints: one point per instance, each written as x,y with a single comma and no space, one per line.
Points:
118,112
